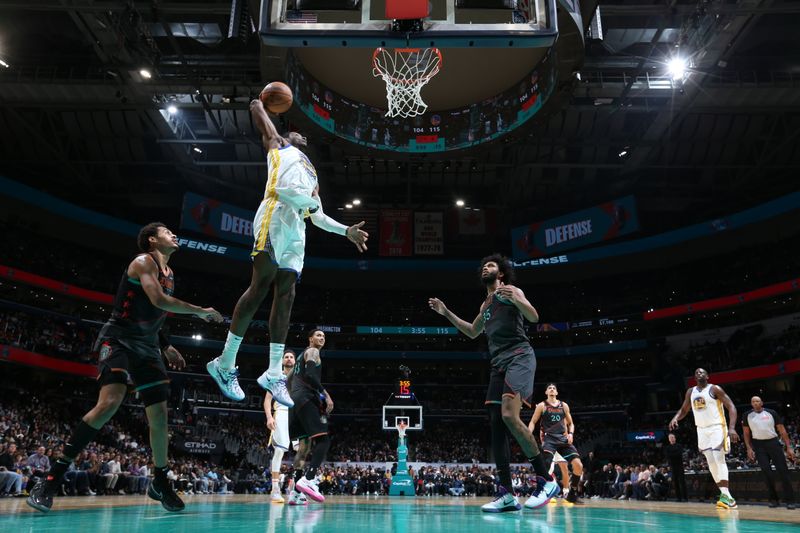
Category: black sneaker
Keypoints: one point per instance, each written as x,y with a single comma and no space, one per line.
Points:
41,497
773,504
572,497
169,500
790,506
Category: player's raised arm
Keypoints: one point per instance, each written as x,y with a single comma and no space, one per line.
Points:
517,297
470,330
269,134
683,411
353,233
145,270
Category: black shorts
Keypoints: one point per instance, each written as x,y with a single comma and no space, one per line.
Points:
517,378
139,368
306,421
560,444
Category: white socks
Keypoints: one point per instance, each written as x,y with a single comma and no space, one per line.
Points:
228,358
725,491
275,358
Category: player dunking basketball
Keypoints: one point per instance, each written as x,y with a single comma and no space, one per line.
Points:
279,427
557,431
291,195
713,437
502,316
131,349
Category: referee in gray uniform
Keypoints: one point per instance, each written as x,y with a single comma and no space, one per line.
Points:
761,429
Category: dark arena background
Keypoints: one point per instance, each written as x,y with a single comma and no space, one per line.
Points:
637,161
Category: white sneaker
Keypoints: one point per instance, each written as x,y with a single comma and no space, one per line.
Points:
277,386
276,498
309,488
545,491
227,380
504,502
296,498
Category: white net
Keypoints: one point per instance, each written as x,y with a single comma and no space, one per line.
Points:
405,72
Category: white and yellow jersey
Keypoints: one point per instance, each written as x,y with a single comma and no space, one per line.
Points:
279,225
707,410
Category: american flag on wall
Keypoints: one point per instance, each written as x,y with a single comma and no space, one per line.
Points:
301,17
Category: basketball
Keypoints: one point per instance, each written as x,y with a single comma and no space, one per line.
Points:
276,97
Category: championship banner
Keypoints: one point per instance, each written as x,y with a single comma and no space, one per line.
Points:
428,233
395,233
596,224
216,219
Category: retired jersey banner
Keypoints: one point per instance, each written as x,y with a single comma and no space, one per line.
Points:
216,219
428,233
596,224
395,233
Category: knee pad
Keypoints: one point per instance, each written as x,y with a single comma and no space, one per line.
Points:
154,395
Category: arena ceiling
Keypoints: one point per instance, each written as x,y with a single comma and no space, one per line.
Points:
78,119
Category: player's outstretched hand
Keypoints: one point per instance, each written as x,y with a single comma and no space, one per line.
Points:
673,425
509,292
209,314
437,305
358,236
174,358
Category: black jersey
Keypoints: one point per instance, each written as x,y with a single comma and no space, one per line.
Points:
134,318
306,382
505,330
553,422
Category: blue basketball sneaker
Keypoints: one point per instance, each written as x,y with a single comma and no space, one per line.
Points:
277,386
545,490
503,502
227,380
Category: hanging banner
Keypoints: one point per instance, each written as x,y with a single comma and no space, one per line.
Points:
216,219
395,233
428,233
596,224
471,222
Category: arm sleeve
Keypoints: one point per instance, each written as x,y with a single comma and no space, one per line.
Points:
324,222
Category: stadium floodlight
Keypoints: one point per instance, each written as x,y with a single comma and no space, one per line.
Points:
348,206
460,203
172,110
356,202
145,74
4,64
677,68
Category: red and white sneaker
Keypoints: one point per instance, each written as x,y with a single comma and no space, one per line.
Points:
310,488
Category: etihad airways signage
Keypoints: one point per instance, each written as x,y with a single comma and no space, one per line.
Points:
595,224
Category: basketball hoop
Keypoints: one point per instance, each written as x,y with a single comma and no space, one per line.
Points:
401,428
405,72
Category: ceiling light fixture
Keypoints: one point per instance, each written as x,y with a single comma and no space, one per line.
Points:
356,202
460,203
172,110
145,74
677,67
348,206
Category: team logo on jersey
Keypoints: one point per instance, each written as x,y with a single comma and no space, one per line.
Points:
699,403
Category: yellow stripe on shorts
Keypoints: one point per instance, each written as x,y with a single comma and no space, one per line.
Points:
270,196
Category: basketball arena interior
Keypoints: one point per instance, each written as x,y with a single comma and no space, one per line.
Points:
557,234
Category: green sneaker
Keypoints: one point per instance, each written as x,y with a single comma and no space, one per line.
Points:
726,502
